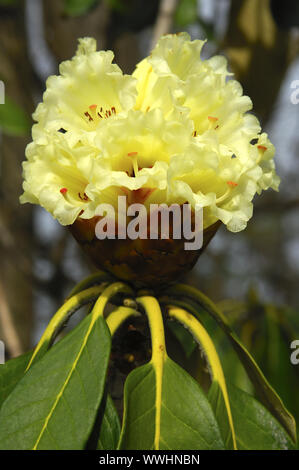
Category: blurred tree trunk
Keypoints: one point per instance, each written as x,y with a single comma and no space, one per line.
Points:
98,23
62,31
15,220
258,52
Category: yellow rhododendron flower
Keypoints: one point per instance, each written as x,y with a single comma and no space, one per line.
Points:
177,130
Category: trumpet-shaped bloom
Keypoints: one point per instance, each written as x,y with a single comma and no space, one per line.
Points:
177,130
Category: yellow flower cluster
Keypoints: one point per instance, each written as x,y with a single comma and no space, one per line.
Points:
177,130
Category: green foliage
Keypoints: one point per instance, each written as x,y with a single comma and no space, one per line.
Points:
81,7
264,390
172,422
11,373
109,426
61,401
186,12
57,399
13,119
184,337
255,427
78,7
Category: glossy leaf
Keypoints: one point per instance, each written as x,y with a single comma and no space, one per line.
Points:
181,418
185,338
256,428
265,392
110,427
218,395
11,373
55,404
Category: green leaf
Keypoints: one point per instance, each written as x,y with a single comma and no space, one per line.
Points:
181,418
266,393
13,119
186,12
55,404
217,399
110,427
256,428
78,7
11,373
218,395
184,337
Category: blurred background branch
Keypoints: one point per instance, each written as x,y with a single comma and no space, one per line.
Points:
164,20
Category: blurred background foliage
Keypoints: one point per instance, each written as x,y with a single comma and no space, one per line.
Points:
258,269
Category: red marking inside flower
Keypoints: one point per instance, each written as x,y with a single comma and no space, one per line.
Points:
194,134
84,197
232,184
88,115
212,118
63,190
113,110
93,106
124,190
141,167
81,212
262,147
132,154
140,195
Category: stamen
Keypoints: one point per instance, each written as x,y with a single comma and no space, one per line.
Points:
135,163
212,120
88,115
63,190
232,184
93,114
84,198
262,147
